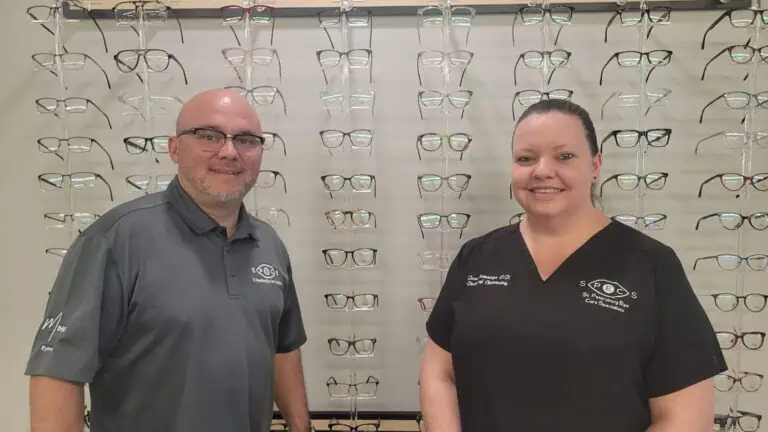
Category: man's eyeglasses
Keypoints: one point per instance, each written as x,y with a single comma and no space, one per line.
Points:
458,59
434,182
358,183
359,390
738,100
651,221
157,60
431,142
432,221
739,18
147,183
43,14
562,15
77,180
749,381
737,139
655,58
213,140
360,257
67,61
52,145
458,99
356,59
730,262
527,98
137,145
130,13
540,59
739,54
629,138
362,347
629,181
359,302
659,15
752,340
735,182
733,221
70,105
360,218
262,95
728,302
257,14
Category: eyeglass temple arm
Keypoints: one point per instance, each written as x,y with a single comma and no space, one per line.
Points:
418,68
183,71
712,26
111,164
602,109
514,21
106,77
514,70
557,36
109,122
704,71
602,71
602,185
109,187
701,187
703,218
612,134
610,21
701,116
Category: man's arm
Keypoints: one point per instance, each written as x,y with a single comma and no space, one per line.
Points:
55,405
290,391
437,388
688,410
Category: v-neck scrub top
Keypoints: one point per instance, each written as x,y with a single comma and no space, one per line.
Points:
615,325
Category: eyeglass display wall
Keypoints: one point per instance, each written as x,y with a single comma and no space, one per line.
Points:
388,146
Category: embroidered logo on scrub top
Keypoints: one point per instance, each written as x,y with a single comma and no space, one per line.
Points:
482,279
265,273
607,294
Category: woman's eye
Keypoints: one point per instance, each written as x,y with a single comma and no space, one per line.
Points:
524,159
566,156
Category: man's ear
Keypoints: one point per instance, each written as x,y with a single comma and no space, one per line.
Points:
173,149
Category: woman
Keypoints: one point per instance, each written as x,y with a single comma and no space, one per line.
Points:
566,321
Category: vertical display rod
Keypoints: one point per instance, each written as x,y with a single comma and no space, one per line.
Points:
642,102
545,38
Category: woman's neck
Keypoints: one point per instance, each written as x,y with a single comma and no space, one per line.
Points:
567,225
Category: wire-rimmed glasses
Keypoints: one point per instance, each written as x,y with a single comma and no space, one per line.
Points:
271,215
75,144
148,184
434,182
359,258
360,218
67,62
44,14
652,98
262,95
157,60
77,180
433,16
738,100
70,105
149,12
731,262
535,59
653,221
733,221
658,15
456,59
629,138
268,178
752,340
432,142
136,145
358,182
212,140
728,302
739,54
355,18
262,57
739,18
433,221
357,138
434,260
256,14
562,15
748,381
432,99
354,302
360,390
735,182
426,303
630,181
361,347
527,98
356,59
654,58
78,220
737,139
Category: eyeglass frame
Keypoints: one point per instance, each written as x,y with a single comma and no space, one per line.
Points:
738,266
447,216
61,140
663,176
739,299
744,181
747,218
350,213
544,54
59,102
644,12
97,176
443,180
667,133
345,179
347,253
643,55
58,59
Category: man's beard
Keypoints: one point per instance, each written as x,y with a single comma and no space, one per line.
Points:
223,197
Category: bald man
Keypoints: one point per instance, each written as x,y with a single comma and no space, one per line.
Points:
178,309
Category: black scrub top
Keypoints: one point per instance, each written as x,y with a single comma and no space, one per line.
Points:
616,324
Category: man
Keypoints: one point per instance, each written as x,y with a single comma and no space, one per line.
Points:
178,308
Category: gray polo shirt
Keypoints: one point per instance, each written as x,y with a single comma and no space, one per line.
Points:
174,326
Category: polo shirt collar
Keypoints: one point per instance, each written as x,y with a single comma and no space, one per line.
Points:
198,219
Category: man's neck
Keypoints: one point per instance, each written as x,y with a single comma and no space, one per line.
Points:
224,213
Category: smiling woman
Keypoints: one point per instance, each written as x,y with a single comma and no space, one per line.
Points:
560,291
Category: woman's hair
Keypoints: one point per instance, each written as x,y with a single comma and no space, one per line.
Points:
563,106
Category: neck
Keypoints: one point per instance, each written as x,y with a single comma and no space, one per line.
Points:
566,225
224,213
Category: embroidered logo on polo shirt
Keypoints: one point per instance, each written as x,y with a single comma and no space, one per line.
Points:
482,279
265,273
607,294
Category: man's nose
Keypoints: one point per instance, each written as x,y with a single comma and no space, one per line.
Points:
228,149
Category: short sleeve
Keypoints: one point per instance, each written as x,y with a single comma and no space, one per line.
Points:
291,332
685,349
441,320
84,314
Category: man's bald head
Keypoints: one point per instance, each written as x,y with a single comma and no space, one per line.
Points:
202,105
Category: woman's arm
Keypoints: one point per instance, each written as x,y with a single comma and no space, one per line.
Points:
688,410
439,405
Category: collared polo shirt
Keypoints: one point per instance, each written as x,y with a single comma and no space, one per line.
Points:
173,325
585,349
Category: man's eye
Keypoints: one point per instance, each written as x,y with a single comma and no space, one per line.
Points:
524,159
566,156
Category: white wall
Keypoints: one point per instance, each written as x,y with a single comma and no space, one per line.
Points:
28,273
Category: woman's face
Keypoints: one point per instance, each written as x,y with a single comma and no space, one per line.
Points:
553,168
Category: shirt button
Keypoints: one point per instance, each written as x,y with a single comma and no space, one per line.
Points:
232,276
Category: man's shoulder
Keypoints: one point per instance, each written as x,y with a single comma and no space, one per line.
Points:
136,211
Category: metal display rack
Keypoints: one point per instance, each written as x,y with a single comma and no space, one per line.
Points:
344,141
641,139
749,212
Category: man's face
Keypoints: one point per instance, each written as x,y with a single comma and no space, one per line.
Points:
226,173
